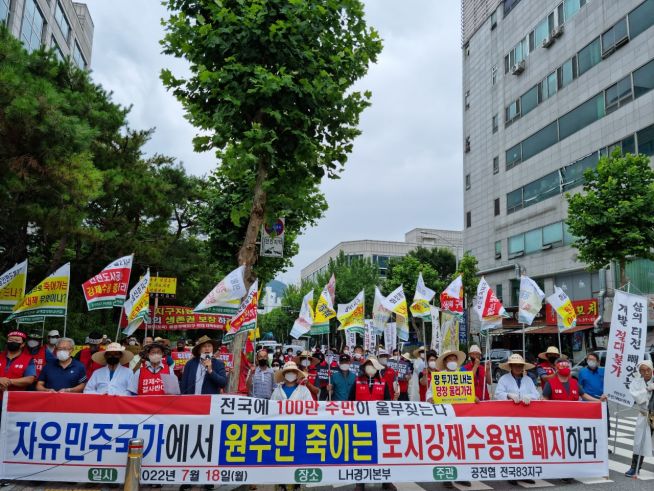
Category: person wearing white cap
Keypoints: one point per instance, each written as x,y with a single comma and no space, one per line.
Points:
113,378
516,385
480,374
290,384
53,337
642,390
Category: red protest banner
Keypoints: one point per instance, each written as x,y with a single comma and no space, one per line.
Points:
176,318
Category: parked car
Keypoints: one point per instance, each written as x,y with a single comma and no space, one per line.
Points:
649,355
497,356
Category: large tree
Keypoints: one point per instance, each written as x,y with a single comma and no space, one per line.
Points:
613,219
270,90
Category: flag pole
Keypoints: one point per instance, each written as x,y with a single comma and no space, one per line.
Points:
120,316
523,342
424,335
66,314
558,332
42,329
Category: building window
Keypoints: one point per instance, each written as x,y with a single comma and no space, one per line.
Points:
498,291
509,5
494,75
57,50
512,112
513,156
498,249
567,72
496,206
467,181
553,234
468,219
78,57
4,11
539,141
589,56
570,9
467,144
467,99
581,116
493,19
516,246
529,100
644,79
615,37
618,94
495,123
548,86
31,31
496,165
646,141
62,22
641,18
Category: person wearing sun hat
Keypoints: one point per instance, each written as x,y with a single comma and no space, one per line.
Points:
449,361
113,377
307,363
17,370
546,367
290,384
153,377
204,373
516,385
641,389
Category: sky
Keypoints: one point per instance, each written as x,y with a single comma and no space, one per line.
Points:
405,170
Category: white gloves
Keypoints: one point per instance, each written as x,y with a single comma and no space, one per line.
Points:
514,397
650,386
526,400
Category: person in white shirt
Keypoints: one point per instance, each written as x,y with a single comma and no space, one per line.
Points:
290,384
516,385
113,377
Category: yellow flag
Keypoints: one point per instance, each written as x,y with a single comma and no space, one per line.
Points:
396,302
48,299
352,314
12,286
325,306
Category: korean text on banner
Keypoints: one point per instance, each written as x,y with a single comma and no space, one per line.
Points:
47,299
324,308
246,317
453,387
108,288
452,297
436,338
488,307
302,324
230,440
176,318
531,300
12,286
626,347
351,315
396,302
450,331
226,296
137,306
162,285
390,336
369,337
564,308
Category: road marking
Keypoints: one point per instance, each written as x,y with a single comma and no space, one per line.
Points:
538,483
594,480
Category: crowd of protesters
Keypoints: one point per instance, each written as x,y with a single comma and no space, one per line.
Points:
154,368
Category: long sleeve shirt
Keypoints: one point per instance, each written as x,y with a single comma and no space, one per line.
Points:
102,382
508,384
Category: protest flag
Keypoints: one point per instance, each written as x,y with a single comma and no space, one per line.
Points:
302,324
246,317
13,283
137,306
226,296
324,309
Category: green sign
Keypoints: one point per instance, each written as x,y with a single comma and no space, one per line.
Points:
445,473
102,474
308,475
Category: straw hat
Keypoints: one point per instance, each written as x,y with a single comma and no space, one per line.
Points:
416,352
551,350
203,340
148,347
373,361
306,354
474,349
125,356
406,356
460,358
289,366
515,359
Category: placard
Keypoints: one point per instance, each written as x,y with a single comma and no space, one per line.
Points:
453,387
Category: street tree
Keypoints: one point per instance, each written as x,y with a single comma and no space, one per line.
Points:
270,89
613,218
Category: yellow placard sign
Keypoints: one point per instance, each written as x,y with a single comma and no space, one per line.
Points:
161,284
453,387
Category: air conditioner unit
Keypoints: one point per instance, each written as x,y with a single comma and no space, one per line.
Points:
547,42
557,32
518,68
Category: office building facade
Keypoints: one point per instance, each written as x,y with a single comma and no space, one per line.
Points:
380,252
549,87
62,25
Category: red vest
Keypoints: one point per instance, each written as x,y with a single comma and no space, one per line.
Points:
39,360
480,381
180,358
16,369
312,374
389,377
363,393
87,361
423,389
548,367
151,384
558,390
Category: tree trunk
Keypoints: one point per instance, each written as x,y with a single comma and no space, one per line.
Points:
247,256
56,259
623,274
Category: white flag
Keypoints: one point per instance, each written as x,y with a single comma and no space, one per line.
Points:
380,314
390,336
435,328
488,307
225,298
454,289
302,324
422,292
531,300
137,306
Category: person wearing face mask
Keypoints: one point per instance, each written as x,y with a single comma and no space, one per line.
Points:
289,355
204,373
153,377
342,380
94,342
307,364
591,377
261,377
369,385
40,354
53,337
276,366
180,355
425,376
405,374
563,387
323,374
17,370
516,385
481,376
132,345
389,374
112,378
290,385
67,375
358,353
641,389
546,367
